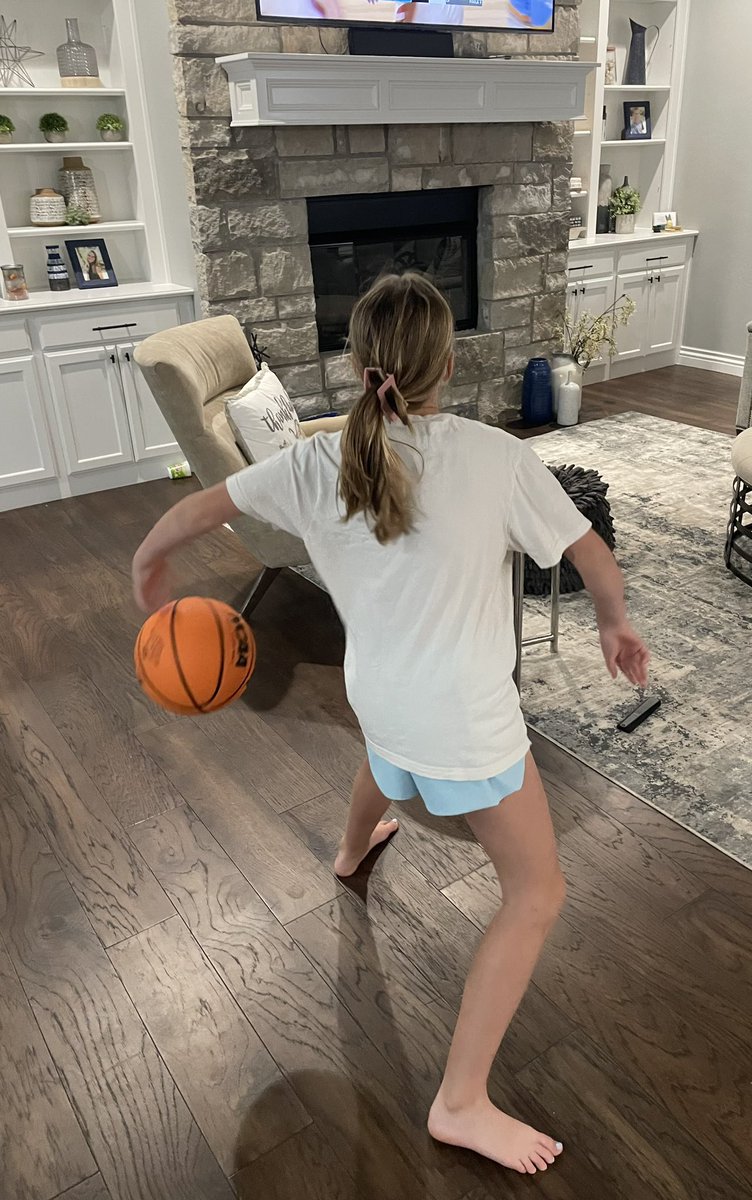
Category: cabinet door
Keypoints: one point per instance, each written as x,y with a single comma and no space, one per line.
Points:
631,339
665,307
151,435
88,397
595,297
573,302
25,451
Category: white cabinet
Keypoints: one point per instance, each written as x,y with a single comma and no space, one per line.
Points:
666,303
152,436
654,326
87,397
631,338
595,297
25,451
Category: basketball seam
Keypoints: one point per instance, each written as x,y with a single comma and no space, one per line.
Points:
166,700
178,664
221,631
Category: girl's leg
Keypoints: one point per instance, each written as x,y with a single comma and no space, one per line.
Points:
519,839
365,828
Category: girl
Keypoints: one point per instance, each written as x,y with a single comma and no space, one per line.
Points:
409,515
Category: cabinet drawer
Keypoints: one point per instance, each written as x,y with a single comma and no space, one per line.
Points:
14,336
111,324
658,254
590,264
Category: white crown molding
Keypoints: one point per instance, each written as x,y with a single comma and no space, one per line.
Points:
329,89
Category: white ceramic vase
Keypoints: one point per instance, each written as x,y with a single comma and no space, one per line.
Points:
47,208
111,135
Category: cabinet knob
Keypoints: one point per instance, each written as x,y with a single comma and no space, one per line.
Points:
112,358
127,356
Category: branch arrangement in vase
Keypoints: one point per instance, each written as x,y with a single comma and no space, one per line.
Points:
584,337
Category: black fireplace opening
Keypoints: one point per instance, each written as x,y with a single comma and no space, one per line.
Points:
354,239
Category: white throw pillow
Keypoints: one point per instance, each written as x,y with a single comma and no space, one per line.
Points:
262,417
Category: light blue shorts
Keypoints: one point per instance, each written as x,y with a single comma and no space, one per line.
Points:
445,797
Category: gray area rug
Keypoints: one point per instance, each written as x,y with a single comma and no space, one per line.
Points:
670,488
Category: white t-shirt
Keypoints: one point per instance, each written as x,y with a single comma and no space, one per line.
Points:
428,617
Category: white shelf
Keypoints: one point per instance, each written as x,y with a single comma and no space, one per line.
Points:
640,89
62,147
31,92
42,231
75,297
583,133
636,142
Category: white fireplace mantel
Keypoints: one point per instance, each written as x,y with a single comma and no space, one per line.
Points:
332,89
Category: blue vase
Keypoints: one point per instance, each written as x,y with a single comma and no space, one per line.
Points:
537,393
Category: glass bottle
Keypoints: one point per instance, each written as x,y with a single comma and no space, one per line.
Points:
57,272
76,60
77,185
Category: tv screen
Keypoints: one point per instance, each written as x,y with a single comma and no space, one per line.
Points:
442,14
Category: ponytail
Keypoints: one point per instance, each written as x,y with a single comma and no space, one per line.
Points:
404,324
373,478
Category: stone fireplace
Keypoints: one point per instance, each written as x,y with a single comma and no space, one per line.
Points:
254,227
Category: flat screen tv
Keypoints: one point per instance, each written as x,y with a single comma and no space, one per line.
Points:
522,15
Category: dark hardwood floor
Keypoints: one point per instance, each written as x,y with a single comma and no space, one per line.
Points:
193,1008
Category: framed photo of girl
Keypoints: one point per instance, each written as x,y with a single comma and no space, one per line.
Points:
637,122
91,263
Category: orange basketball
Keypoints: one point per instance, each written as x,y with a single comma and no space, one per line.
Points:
194,655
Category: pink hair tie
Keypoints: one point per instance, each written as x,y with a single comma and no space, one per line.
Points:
382,391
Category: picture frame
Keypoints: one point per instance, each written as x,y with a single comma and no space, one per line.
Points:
91,263
638,125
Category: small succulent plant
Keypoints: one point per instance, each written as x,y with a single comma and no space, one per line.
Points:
77,216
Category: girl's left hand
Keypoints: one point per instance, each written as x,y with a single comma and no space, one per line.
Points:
152,583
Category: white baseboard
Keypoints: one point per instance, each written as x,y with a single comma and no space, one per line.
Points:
711,360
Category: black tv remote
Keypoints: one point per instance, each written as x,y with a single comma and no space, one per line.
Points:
639,714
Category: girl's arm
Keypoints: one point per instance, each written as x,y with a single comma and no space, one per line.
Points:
623,649
198,513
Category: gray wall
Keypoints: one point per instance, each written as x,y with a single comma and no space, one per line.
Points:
714,179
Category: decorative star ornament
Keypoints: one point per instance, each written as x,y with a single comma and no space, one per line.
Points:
13,56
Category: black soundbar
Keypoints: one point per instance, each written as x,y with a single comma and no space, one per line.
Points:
399,43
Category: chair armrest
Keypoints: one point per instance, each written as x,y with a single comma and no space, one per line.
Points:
323,425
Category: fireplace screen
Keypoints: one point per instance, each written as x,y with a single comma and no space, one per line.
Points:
354,239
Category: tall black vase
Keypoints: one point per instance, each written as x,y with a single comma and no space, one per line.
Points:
635,72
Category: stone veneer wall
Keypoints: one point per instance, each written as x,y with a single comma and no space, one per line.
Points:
247,190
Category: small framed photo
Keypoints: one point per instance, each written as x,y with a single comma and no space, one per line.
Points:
637,122
91,263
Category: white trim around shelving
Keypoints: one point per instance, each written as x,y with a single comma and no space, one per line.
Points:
28,93
711,360
634,142
62,147
642,89
76,297
27,231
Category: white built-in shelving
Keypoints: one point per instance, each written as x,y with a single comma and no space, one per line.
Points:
649,164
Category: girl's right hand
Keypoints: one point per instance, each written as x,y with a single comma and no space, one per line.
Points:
152,583
624,650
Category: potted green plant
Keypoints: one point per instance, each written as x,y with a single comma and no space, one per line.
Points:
54,127
7,129
111,127
75,215
625,203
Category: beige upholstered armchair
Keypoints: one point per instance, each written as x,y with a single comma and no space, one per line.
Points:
191,371
744,411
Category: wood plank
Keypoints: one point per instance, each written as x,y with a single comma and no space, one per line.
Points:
306,1169
117,890
653,876
92,1188
42,1148
29,644
691,1070
637,1148
275,771
145,1142
283,871
417,933
220,1065
106,746
350,1090
442,848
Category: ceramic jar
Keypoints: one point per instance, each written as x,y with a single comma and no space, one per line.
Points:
625,223
77,61
77,183
47,208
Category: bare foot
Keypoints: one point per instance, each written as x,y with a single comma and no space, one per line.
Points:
348,861
490,1132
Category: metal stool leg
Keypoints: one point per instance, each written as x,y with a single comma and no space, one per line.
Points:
518,593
